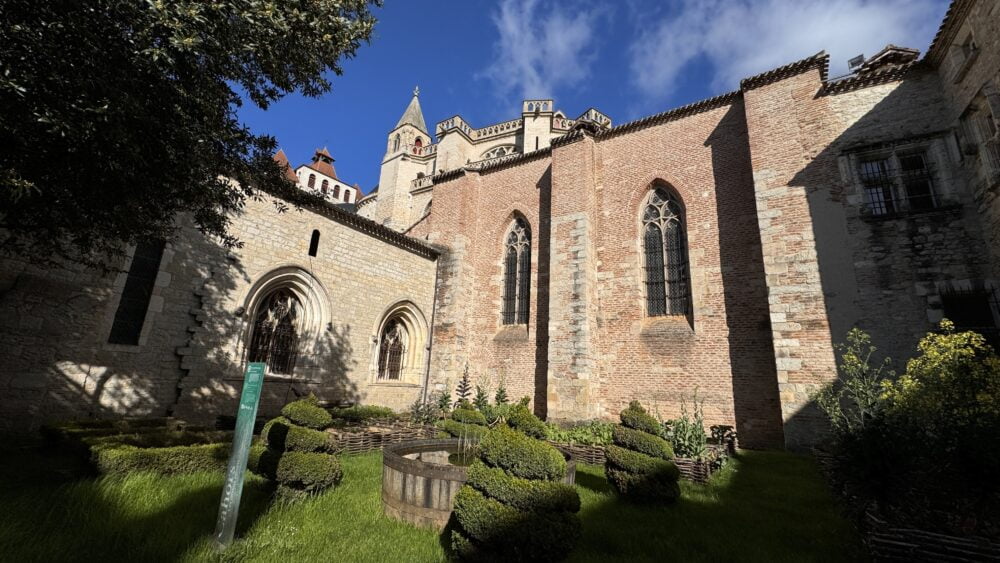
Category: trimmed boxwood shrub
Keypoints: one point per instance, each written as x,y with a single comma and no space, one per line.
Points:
120,459
462,430
636,417
298,452
307,412
642,442
283,435
522,494
522,419
308,471
514,506
639,463
522,456
362,413
468,416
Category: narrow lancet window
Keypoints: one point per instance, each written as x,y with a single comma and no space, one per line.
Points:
665,259
517,274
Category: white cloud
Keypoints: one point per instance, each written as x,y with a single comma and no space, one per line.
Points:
540,50
740,38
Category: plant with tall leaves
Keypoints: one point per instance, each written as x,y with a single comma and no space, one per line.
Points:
856,399
119,116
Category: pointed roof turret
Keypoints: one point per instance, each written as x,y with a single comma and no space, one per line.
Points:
323,163
286,166
413,115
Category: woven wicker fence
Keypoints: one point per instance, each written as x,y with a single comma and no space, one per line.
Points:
890,543
379,435
697,470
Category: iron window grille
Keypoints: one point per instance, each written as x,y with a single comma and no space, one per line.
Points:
517,274
392,346
898,183
667,273
275,336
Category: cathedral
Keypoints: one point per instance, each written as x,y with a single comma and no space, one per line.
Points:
713,253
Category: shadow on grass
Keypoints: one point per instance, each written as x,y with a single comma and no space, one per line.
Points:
128,518
765,506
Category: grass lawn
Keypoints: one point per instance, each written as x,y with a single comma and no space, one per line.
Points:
766,506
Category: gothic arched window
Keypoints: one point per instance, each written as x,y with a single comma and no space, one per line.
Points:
391,350
336,191
664,246
275,332
418,142
312,180
517,274
395,143
324,187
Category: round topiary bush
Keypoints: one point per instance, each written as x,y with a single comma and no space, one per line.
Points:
465,422
522,419
514,506
307,412
297,453
639,463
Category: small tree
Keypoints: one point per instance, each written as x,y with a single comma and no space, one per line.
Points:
482,400
464,388
118,115
501,395
856,398
444,400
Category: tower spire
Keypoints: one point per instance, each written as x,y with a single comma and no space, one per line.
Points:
413,114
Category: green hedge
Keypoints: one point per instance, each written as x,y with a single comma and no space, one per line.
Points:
651,488
166,461
468,416
362,413
522,419
522,456
281,434
638,463
640,441
308,471
160,438
523,494
490,529
462,430
306,412
637,418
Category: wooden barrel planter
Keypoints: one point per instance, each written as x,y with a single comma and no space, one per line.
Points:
422,491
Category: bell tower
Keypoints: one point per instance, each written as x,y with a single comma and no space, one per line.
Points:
405,158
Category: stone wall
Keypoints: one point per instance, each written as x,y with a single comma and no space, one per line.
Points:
830,265
57,363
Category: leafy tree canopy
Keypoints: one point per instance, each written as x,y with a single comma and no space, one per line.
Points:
118,115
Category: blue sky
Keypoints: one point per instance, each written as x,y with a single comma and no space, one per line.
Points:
628,58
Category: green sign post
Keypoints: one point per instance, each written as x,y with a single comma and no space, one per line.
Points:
229,507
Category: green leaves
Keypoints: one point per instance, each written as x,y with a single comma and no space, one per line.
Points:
119,116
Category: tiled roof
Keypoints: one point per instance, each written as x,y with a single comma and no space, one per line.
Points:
820,60
323,163
953,18
335,212
282,161
866,79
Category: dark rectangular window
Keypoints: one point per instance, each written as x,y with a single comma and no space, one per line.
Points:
974,310
137,292
916,179
878,186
